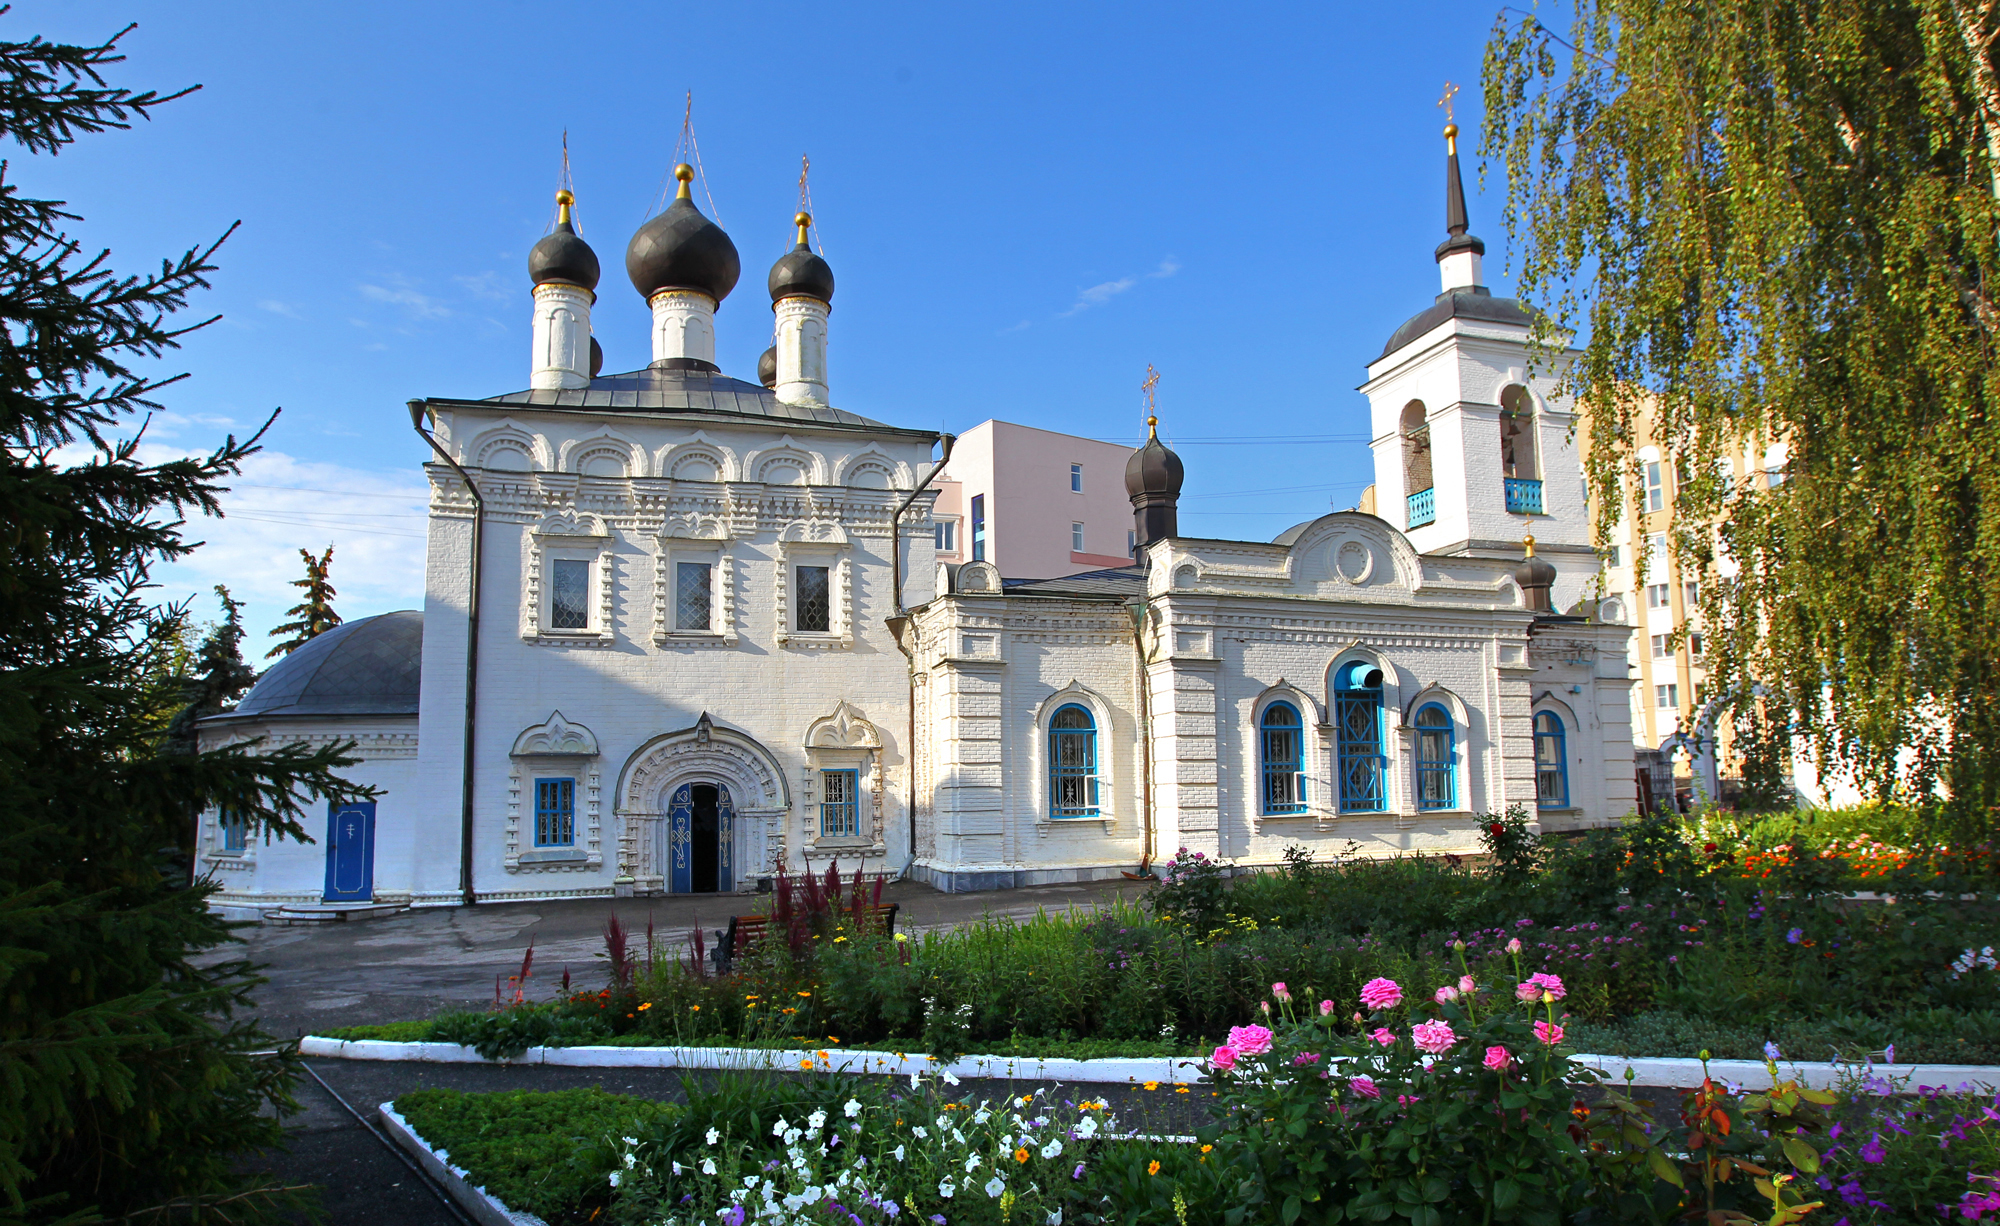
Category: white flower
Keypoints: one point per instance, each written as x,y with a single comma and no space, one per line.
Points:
816,1120
708,1166
943,1122
922,1134
677,1168
971,1163
749,1181
945,1189
1053,1149
899,1153
615,1177
949,1079
713,1136
635,1140
1055,1217
853,1108
1087,1127
981,1116
778,1129
995,1186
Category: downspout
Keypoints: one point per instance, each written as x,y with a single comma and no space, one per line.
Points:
898,624
1137,608
467,895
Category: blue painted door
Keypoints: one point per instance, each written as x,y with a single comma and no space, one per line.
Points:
725,820
680,840
350,852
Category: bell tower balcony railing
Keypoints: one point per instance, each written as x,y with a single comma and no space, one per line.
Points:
1423,508
1524,496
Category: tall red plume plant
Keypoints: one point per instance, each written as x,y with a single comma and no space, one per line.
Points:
617,947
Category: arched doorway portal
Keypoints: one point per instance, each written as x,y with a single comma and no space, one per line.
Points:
699,810
701,823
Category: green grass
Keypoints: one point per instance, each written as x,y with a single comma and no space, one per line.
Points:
523,1146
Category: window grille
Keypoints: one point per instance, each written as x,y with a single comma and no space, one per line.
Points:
1282,737
693,604
839,804
1357,708
569,594
1551,762
815,599
1436,758
1072,763
555,812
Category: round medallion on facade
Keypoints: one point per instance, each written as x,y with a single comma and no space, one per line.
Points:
681,249
1354,562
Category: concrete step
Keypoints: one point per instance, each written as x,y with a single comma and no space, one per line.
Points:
331,913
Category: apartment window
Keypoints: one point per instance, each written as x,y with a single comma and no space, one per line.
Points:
1615,556
235,830
1076,538
1665,696
1656,492
1076,478
947,536
1694,644
1656,596
979,527
1660,647
1656,549
1691,594
839,804
693,595
569,594
815,602
555,812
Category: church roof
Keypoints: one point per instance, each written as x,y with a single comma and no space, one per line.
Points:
368,667
1475,303
1114,584
655,390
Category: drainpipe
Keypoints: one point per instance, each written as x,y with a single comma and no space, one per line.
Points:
417,413
1136,608
900,623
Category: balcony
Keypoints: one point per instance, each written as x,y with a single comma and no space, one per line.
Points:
1524,497
1423,506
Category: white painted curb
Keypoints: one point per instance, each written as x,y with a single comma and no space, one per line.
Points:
487,1209
1175,1069
1658,1072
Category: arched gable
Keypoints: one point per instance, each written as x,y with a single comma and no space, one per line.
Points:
555,737
487,448
699,458
703,753
1351,549
871,468
586,455
769,464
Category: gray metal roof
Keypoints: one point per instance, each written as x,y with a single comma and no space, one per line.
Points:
367,667
685,391
1115,584
1476,303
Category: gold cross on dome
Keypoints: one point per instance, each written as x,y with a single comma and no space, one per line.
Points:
1450,91
1152,381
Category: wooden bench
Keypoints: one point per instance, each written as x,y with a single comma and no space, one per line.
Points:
745,930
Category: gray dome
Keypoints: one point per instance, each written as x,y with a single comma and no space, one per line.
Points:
1460,304
799,273
1153,469
681,249
366,667
767,367
563,258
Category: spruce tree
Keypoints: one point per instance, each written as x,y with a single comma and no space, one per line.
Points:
130,1086
314,615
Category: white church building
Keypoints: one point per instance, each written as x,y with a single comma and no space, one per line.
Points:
680,629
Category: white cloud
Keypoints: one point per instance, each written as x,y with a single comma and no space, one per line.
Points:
1023,326
1168,267
1105,291
415,303
488,285
279,308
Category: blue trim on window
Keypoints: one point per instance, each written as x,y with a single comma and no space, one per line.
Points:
840,804
1551,762
235,830
1072,763
1281,750
555,812
1357,721
1437,758
1524,496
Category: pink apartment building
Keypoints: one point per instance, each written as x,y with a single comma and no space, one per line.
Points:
1034,503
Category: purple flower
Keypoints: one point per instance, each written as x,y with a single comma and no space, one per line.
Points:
734,1217
1795,936
1873,1152
1078,1172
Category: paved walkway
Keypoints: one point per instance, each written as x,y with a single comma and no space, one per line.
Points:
427,961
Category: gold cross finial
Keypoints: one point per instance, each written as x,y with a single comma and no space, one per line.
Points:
1151,381
1450,91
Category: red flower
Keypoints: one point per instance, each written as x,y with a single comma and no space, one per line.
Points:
1711,849
1497,829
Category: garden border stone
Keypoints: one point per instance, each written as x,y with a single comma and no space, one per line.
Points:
1665,1072
488,1209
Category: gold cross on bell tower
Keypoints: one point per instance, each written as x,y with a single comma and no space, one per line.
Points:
1151,381
1450,92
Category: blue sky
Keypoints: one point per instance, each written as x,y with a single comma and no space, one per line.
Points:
1024,206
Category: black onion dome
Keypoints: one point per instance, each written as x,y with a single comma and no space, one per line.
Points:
799,273
562,258
1153,469
767,367
1536,576
681,249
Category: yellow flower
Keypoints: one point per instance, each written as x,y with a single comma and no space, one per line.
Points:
805,993
694,1008
647,1005
1180,1089
1152,1085
788,1010
805,1064
1153,1167
1207,1148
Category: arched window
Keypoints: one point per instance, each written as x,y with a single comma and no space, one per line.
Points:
1518,467
1417,480
1282,737
1357,717
1072,763
1436,758
1551,762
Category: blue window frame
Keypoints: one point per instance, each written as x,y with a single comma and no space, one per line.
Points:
555,812
840,803
1357,718
1281,738
1437,757
1072,763
979,527
235,830
1551,762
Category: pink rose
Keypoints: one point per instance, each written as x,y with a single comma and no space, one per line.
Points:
1326,1008
1446,994
1552,984
1514,945
1278,991
1364,1086
1383,1036
1306,1057
1381,994
1549,1033
1250,1040
1435,1038
1528,990
1223,1058
1497,1059
1265,1005
1467,984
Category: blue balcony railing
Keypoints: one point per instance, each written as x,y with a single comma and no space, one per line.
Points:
1423,508
1524,497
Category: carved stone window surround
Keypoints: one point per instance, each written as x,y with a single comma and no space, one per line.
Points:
555,748
689,536
567,535
824,544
